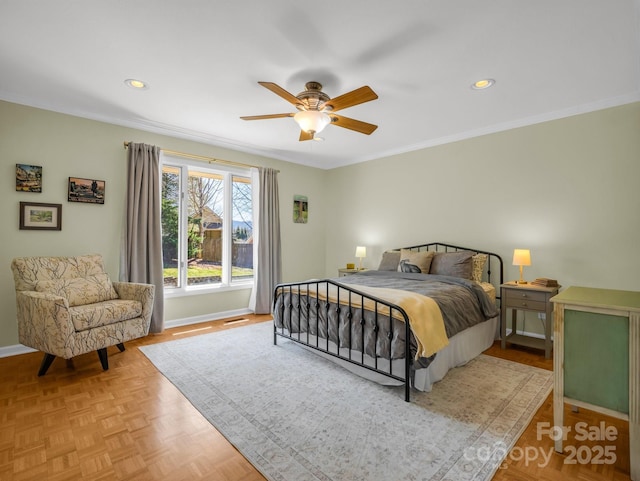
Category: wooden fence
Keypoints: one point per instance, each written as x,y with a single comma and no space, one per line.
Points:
241,254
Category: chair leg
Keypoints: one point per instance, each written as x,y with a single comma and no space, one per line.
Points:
120,346
46,362
104,360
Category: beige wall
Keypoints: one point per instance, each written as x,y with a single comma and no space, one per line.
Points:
70,146
566,189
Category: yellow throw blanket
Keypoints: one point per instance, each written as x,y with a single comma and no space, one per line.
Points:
425,317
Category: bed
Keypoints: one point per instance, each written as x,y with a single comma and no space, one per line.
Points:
442,298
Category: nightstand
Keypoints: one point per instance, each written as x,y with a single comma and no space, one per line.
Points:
348,272
526,297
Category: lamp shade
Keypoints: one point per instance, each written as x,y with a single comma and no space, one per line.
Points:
521,257
361,251
312,121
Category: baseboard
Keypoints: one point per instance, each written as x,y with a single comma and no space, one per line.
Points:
18,349
15,350
206,318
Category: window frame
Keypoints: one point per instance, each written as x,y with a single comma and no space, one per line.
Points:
228,172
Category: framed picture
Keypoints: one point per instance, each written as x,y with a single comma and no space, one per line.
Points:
39,216
28,178
89,191
300,209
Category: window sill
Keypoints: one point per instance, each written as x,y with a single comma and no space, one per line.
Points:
205,290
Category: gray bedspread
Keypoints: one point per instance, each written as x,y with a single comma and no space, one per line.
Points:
463,304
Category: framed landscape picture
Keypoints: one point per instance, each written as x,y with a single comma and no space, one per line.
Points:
39,216
28,178
300,209
90,191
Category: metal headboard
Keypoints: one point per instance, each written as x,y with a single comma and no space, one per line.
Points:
493,269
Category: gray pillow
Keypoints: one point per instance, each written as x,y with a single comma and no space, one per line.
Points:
390,261
456,264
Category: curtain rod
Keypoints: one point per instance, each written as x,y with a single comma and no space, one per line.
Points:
202,158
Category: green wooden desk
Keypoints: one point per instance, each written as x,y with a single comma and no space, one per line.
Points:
596,358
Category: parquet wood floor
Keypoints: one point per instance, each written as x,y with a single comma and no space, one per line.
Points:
130,423
561,467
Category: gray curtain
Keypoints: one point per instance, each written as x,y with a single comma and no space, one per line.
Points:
267,273
141,258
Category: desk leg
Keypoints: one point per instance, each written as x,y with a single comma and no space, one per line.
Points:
634,395
503,323
558,374
547,330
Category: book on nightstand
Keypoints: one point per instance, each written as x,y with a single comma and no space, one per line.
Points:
545,282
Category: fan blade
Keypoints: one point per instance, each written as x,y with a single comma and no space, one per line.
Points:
305,136
355,97
270,116
276,89
352,124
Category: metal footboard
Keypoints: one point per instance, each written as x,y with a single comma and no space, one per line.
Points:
305,311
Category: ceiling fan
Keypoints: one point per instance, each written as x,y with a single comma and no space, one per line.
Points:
316,109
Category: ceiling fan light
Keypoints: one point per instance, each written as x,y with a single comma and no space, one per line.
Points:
312,120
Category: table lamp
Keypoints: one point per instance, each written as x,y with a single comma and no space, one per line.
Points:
361,252
521,257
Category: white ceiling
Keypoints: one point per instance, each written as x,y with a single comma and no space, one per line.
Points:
203,59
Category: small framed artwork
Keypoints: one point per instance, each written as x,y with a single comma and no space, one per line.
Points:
300,209
39,216
89,191
28,178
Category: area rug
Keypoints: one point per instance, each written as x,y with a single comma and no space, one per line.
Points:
298,417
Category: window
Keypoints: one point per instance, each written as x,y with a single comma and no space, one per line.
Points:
207,218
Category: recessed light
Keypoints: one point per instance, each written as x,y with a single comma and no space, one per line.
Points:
136,84
483,84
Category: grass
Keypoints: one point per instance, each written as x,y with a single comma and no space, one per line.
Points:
207,271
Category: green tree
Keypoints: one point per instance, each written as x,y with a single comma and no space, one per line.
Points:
194,238
169,218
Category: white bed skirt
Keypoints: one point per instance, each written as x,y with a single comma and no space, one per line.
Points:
462,347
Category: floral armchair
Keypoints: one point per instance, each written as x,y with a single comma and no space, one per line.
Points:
68,306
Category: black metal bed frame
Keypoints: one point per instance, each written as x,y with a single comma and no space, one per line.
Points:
309,304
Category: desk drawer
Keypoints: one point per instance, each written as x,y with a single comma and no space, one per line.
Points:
517,296
524,299
526,304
